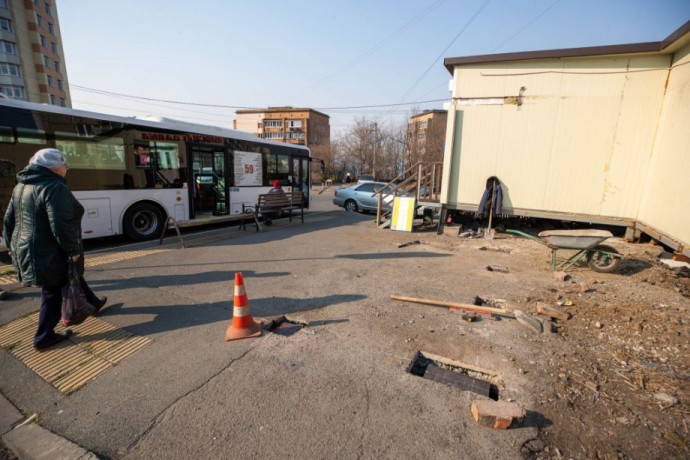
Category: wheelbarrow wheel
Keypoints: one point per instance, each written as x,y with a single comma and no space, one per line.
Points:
599,261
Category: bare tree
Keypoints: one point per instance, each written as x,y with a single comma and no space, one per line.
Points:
382,149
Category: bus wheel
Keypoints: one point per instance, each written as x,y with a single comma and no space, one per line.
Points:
143,221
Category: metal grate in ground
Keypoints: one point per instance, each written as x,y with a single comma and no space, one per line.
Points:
95,347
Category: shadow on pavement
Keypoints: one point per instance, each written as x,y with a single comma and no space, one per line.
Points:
391,255
173,317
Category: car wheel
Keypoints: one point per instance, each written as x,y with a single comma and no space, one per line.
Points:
350,206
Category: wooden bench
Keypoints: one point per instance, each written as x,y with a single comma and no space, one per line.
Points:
273,203
170,222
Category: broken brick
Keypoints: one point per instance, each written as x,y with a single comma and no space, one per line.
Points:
497,414
561,276
551,311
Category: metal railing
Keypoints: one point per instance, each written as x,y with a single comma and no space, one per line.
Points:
423,181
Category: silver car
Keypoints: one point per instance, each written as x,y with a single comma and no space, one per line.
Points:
362,197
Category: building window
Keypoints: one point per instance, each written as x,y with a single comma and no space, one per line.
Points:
3,4
53,46
298,135
46,61
5,24
49,80
60,85
52,99
48,10
44,43
295,124
8,47
39,20
273,123
51,28
37,2
9,69
14,92
62,101
273,135
57,66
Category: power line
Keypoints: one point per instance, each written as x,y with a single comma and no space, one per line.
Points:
199,104
379,45
414,85
526,25
142,98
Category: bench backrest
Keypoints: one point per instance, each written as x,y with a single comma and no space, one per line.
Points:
280,200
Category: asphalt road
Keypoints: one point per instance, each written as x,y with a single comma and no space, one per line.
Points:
338,388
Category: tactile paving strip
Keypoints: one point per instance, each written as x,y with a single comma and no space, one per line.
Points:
95,347
119,256
94,261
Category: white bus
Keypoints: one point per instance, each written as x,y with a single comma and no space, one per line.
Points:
130,174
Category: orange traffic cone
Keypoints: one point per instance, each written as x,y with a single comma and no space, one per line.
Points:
242,325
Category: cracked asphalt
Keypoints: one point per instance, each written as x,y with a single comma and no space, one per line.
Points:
338,388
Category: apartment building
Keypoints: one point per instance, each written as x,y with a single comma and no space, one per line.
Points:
426,133
287,124
32,61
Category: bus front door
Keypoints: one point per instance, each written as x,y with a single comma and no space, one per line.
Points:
210,197
301,179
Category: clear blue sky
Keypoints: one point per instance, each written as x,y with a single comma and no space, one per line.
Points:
317,53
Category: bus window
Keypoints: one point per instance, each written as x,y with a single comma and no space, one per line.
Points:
91,153
31,136
6,134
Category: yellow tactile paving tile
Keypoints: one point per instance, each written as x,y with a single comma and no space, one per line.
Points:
120,256
13,332
126,348
7,279
94,261
95,347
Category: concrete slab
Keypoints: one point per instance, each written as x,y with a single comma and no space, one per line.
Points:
9,415
34,442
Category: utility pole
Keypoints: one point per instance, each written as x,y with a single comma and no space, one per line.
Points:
373,172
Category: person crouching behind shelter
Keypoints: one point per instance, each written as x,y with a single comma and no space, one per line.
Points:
42,229
270,215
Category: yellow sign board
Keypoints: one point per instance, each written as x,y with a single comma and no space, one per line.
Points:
403,214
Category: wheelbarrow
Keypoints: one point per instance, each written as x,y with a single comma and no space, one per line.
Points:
600,257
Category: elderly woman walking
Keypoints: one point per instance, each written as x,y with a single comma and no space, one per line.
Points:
42,230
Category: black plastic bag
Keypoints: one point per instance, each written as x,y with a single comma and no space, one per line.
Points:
75,307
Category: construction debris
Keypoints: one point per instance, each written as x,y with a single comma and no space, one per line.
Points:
409,243
498,268
551,311
561,276
497,414
461,306
528,320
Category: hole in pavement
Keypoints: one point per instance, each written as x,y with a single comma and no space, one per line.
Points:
457,376
285,327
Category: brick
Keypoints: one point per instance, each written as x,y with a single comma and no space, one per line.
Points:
561,276
497,414
551,311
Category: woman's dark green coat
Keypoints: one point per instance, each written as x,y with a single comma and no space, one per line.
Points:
43,227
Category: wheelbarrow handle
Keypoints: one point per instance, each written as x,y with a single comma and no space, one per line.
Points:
527,235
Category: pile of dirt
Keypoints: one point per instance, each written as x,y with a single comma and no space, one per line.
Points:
613,381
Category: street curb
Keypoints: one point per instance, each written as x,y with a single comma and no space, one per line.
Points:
9,415
34,442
